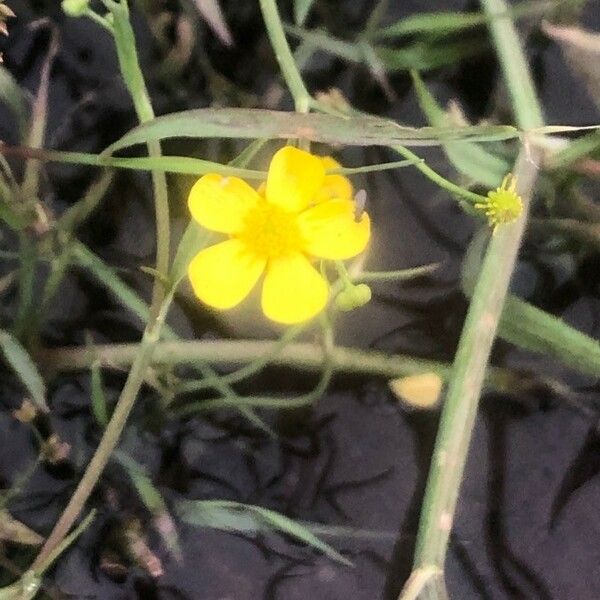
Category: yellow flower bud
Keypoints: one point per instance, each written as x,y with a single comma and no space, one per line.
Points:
503,205
353,296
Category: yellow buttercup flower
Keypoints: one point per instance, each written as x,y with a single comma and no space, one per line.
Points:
300,214
502,205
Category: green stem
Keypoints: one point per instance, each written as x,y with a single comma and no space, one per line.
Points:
438,179
132,75
134,79
223,353
524,100
466,381
246,371
111,436
284,56
479,331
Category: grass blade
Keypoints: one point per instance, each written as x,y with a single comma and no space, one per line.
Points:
247,518
24,367
108,277
467,158
257,123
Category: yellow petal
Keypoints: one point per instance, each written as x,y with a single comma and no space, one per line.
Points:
294,178
420,391
223,275
334,186
329,230
294,291
220,203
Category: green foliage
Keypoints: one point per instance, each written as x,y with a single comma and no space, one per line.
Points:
250,519
24,367
257,123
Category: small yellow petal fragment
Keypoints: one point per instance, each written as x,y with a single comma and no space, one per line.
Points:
224,274
419,391
293,291
294,178
221,203
330,230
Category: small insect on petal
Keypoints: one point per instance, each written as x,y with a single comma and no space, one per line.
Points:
360,201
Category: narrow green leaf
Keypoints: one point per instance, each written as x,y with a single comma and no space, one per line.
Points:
149,495
419,55
12,95
577,149
467,158
108,277
152,499
257,123
425,56
531,328
170,164
322,40
301,10
434,22
454,22
247,518
537,331
20,361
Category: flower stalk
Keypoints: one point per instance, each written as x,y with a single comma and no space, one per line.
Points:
479,331
293,80
161,300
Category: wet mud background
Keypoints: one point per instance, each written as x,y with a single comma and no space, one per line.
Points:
527,524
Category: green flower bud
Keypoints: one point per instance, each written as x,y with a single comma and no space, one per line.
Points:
75,8
353,296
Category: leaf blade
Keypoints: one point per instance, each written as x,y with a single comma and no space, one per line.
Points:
24,367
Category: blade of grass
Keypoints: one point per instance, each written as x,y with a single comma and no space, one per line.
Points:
24,367
455,22
469,159
170,164
12,95
475,344
258,123
108,277
247,518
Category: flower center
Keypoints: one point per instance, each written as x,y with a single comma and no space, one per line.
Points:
271,232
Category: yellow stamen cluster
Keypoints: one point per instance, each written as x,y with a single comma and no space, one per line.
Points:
503,205
270,232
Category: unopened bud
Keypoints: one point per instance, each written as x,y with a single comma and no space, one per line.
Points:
353,296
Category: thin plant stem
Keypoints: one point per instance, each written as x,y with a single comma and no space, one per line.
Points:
442,182
524,100
328,345
284,56
111,435
132,74
134,79
467,379
479,331
247,370
224,353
